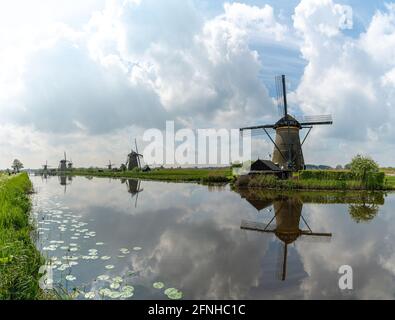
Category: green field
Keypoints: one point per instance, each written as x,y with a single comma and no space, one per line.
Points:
175,175
19,259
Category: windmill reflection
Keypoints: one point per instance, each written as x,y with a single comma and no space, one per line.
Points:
134,188
65,181
287,223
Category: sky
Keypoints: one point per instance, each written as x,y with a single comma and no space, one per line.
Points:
87,77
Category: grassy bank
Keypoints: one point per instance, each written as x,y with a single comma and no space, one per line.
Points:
325,180
19,259
174,175
390,182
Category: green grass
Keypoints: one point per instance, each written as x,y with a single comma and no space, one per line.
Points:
297,183
175,175
19,258
390,182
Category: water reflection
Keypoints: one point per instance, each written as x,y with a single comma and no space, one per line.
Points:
65,181
134,188
287,216
286,221
188,237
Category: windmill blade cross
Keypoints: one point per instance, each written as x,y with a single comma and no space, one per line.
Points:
256,226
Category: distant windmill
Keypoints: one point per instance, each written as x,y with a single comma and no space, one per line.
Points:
70,165
65,164
110,165
133,160
288,152
288,213
45,167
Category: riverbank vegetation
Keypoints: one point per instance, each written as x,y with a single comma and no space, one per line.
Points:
364,174
19,259
217,175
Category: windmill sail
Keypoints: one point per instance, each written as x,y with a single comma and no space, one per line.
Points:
280,96
316,120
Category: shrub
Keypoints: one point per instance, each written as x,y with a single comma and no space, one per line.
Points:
327,175
363,167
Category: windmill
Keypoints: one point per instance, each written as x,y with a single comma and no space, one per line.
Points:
65,164
288,213
70,165
288,153
45,167
134,188
133,160
110,165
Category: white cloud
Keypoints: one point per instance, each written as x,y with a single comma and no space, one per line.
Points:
138,64
117,64
348,77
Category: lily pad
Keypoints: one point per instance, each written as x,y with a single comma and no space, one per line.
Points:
158,285
117,279
70,278
173,294
90,295
115,285
105,258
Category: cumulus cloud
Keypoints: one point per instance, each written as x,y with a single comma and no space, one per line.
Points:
348,77
129,66
134,64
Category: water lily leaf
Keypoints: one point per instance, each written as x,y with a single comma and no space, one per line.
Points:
114,295
173,294
103,277
105,258
158,285
90,295
127,288
70,278
115,285
117,279
105,292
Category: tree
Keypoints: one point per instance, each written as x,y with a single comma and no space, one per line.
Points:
347,166
17,165
339,167
363,212
361,167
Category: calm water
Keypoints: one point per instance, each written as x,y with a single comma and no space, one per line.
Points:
111,241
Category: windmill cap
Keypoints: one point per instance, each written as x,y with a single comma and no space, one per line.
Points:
287,121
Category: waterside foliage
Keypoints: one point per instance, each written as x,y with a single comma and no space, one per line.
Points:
175,175
19,259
